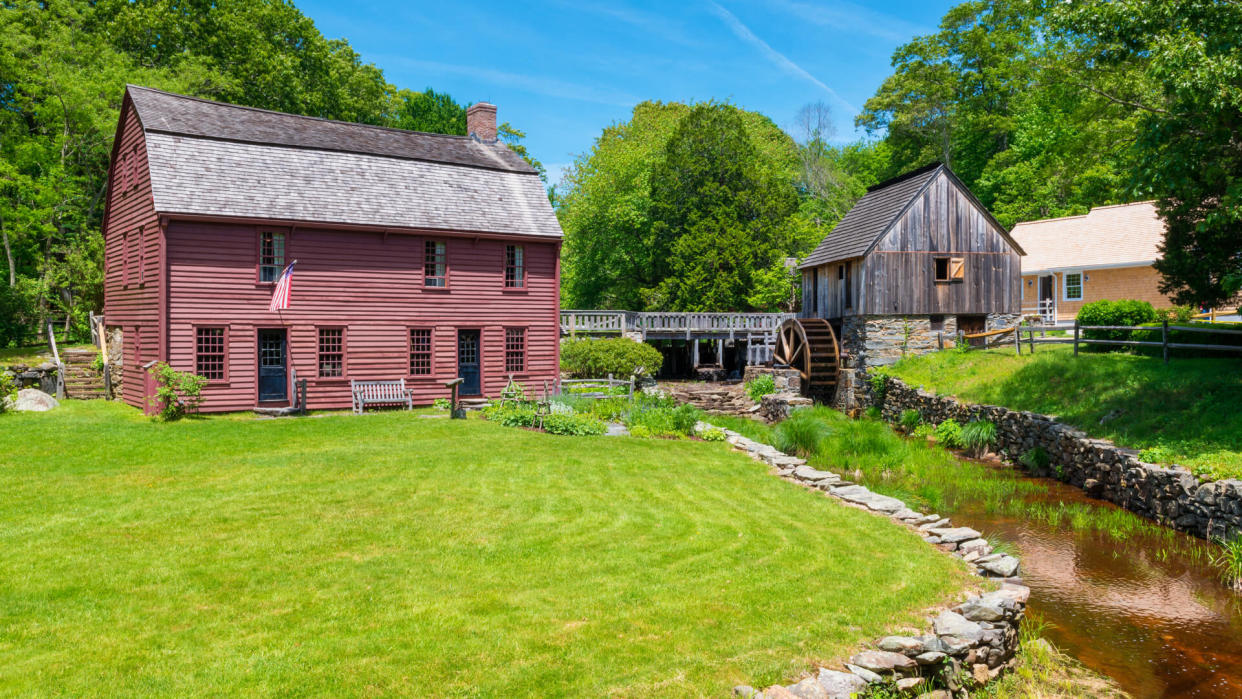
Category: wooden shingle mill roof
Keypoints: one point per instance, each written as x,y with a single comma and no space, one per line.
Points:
870,217
216,159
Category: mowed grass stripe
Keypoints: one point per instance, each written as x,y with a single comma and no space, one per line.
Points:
392,554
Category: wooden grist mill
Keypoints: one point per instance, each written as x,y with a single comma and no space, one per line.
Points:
810,346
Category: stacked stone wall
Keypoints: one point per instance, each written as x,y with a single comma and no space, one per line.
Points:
1169,495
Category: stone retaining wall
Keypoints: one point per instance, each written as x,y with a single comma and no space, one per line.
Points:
1169,495
42,377
963,647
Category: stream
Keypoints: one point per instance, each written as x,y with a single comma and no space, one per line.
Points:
1145,611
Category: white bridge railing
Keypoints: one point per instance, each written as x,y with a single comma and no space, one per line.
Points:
604,322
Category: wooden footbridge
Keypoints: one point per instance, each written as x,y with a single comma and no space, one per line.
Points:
757,330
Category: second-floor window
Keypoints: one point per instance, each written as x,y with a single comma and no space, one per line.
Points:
271,255
435,264
515,267
331,352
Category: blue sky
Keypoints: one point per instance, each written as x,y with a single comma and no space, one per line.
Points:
562,70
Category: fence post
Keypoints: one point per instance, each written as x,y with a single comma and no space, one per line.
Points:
1075,337
1017,339
1164,339
1031,336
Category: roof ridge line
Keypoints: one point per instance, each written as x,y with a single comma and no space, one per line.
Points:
261,110
369,154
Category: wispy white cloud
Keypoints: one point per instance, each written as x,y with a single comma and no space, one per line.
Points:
650,23
853,18
745,34
536,84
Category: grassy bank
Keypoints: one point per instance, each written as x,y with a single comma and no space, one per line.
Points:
395,554
931,478
1185,412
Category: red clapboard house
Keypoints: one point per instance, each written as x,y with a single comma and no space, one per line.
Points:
419,256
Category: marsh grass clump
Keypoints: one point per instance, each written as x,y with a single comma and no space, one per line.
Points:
910,420
977,436
801,433
1229,561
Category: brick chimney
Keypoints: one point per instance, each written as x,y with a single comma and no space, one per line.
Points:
481,122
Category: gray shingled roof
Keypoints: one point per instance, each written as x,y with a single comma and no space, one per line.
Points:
165,112
209,158
870,217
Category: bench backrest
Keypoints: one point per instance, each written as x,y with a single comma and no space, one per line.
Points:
379,390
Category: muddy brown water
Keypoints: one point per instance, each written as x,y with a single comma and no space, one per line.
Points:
1144,611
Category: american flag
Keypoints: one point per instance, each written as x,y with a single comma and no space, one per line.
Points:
280,297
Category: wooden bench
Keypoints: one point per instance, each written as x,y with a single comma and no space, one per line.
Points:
380,393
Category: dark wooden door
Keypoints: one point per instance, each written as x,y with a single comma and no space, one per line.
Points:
468,362
273,355
971,325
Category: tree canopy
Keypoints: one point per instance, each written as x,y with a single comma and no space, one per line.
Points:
697,207
1046,109
63,68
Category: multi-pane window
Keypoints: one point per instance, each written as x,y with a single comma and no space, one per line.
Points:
435,264
331,352
271,255
1073,287
209,353
420,352
515,267
125,258
515,349
142,257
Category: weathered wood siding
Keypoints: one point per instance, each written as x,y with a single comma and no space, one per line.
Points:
898,275
133,250
832,302
370,284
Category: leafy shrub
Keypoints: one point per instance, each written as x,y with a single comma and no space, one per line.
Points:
573,425
712,434
760,386
621,357
1036,459
977,436
18,316
442,404
1125,312
873,412
1183,314
924,430
511,415
662,420
177,393
1159,454
949,433
800,433
7,388
910,419
879,385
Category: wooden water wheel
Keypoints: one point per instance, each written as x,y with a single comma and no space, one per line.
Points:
810,346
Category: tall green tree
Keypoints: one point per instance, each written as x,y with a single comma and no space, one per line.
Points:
612,257
718,216
1189,136
63,68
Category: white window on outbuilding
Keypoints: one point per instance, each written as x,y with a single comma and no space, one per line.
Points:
1073,286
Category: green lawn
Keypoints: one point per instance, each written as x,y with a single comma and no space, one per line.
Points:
1186,412
392,554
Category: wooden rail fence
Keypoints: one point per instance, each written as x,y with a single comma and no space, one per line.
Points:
1164,343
